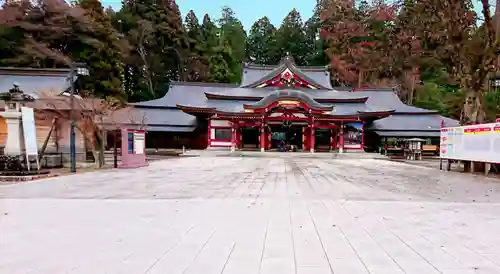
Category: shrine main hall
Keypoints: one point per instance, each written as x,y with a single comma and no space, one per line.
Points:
279,104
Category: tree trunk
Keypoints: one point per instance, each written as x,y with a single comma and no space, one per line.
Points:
97,153
473,109
360,78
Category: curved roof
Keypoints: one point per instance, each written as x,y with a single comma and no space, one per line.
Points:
254,75
298,95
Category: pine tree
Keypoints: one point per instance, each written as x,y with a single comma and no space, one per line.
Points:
232,38
105,59
291,38
262,46
216,52
316,44
197,64
160,47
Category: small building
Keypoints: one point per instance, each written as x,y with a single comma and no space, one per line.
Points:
279,104
48,87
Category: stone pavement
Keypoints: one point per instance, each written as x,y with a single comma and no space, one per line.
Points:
253,215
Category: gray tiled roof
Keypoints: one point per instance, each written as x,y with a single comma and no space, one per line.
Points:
253,73
292,94
423,122
185,94
34,85
150,117
408,134
170,128
193,94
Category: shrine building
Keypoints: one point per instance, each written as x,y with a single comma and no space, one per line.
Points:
276,104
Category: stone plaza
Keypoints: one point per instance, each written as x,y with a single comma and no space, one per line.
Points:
239,215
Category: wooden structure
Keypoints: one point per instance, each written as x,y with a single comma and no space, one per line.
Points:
274,104
52,107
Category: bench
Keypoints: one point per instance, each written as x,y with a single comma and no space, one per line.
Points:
394,151
430,150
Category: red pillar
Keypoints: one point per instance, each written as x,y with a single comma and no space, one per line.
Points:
333,140
233,136
312,135
363,137
262,137
304,139
239,137
209,135
341,137
268,137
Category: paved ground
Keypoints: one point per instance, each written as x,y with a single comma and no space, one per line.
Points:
253,215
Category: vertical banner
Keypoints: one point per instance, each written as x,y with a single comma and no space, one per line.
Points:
29,134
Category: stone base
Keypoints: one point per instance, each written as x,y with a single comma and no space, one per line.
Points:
30,176
133,165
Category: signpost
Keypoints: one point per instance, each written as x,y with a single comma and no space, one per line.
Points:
29,135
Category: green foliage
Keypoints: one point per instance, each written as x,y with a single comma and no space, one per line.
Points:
160,47
492,105
215,52
105,61
291,38
261,43
232,37
445,99
316,45
197,63
136,52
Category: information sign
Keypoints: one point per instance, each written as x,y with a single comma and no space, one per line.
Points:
479,143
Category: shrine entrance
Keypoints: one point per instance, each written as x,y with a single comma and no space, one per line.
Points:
288,133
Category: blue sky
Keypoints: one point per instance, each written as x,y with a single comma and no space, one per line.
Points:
248,11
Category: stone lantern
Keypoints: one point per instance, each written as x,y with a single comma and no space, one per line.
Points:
14,100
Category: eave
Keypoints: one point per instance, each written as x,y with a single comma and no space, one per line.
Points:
342,100
196,110
232,97
377,113
316,108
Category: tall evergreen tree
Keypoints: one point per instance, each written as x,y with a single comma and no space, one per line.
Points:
291,38
216,52
316,45
197,63
160,47
232,38
262,46
105,59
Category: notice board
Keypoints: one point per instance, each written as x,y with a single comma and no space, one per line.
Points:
479,143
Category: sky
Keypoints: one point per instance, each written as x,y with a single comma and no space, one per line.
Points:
248,11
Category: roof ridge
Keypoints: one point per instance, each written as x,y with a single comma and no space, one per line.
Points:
205,84
271,67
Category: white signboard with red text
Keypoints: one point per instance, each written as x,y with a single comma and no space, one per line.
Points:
479,143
